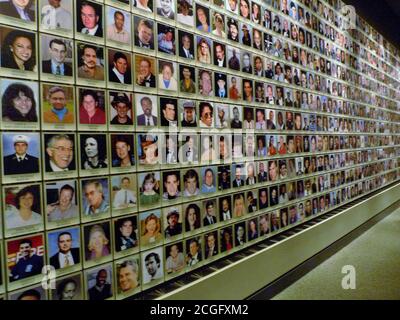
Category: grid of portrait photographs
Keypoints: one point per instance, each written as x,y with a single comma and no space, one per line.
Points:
142,139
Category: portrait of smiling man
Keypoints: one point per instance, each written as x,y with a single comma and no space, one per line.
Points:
60,153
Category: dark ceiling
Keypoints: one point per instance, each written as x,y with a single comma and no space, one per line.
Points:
383,15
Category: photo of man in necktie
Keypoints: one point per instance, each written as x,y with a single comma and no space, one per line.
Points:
65,244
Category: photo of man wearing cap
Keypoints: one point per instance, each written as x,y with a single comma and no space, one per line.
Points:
189,114
220,85
20,162
122,106
174,226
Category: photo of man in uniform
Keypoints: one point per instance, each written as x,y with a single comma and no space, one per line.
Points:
20,162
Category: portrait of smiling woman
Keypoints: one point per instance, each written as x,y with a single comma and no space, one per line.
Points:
18,51
18,103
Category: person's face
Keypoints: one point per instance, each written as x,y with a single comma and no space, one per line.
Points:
248,90
169,112
238,173
91,147
291,146
211,241
93,196
210,210
260,116
165,5
186,73
173,220
233,31
151,266
21,3
236,114
191,185
259,92
194,248
232,4
26,201
101,278
173,252
201,16
240,232
209,178
167,73
171,185
57,100
257,38
145,34
89,58
122,149
22,103
272,171
258,64
58,52
206,82
122,110
151,226
147,107
119,20
189,112
150,151
219,52
192,216
246,60
25,250
121,65
244,8
283,170
126,229
127,278
65,243
22,49
221,113
239,205
250,171
186,42
65,198
298,122
225,205
271,117
20,148
206,116
148,185
69,291
89,17
61,153
264,224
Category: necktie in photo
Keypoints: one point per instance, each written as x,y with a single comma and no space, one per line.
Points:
66,262
87,31
126,197
148,121
58,70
